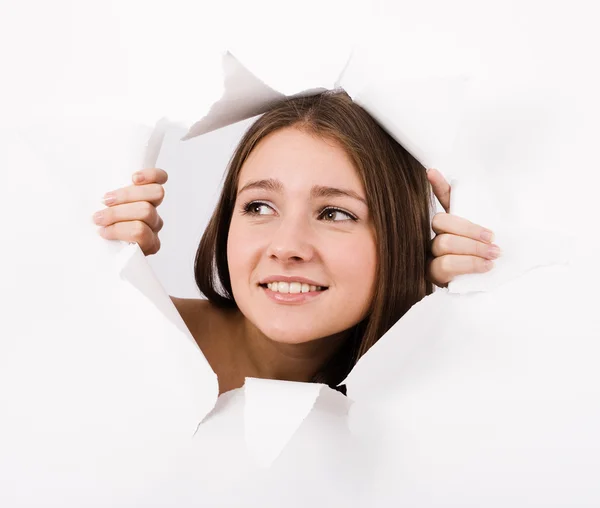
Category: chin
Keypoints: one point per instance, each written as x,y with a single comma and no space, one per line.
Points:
288,336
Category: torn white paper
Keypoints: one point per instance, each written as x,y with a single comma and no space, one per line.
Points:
425,113
273,412
244,96
523,248
475,400
99,376
484,399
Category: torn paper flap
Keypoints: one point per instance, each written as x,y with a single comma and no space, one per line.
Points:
273,412
154,144
420,108
244,96
114,363
422,112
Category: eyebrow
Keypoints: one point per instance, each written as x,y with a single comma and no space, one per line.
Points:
318,191
270,184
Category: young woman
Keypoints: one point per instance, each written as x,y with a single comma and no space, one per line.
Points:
319,243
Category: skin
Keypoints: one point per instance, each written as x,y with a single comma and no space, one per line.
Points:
285,233
131,214
285,229
460,246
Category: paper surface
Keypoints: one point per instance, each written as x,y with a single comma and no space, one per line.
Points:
244,96
99,376
273,412
524,248
483,399
492,397
321,463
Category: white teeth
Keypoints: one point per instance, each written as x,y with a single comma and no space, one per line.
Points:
292,287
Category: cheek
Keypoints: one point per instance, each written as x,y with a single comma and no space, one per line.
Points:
243,251
355,262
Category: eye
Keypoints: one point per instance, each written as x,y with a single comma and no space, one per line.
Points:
336,215
257,208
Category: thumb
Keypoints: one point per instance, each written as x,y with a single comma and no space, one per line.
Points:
441,188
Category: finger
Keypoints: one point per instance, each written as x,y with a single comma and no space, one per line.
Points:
446,243
150,175
140,211
455,225
444,269
441,188
133,232
153,193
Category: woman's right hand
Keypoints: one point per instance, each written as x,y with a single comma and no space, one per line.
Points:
131,214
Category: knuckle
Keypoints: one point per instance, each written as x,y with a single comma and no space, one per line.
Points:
156,246
138,231
160,192
436,249
153,247
161,174
439,272
438,220
147,210
445,265
444,243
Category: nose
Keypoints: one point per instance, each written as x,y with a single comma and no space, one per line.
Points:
292,240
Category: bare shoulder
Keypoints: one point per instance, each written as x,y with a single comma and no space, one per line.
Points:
203,319
192,310
190,304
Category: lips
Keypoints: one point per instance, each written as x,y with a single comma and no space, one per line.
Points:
289,279
289,298
291,287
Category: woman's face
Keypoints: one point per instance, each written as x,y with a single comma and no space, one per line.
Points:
301,245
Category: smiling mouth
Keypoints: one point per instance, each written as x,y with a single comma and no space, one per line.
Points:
292,287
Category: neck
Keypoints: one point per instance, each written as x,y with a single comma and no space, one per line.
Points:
268,359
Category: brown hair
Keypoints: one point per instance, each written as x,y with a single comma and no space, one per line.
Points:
399,200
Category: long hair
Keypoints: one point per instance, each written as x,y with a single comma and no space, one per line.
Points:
399,201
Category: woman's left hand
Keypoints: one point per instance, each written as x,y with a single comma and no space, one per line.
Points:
459,246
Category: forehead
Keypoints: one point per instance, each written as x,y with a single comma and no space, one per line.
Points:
300,160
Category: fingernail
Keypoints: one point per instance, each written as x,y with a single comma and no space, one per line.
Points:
487,236
138,177
98,217
109,198
488,265
494,251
